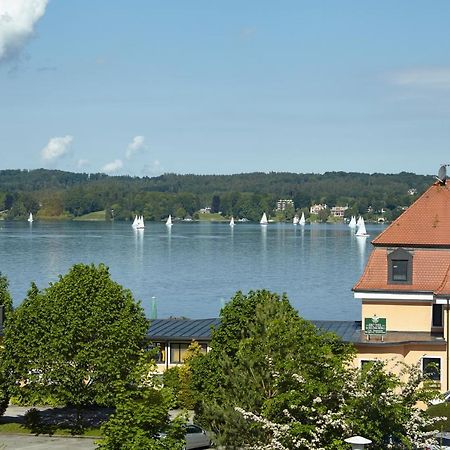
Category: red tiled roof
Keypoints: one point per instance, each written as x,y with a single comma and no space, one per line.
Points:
431,273
426,223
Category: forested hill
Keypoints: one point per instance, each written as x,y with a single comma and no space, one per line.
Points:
53,193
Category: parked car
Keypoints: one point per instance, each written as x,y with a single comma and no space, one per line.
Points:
445,397
444,442
196,437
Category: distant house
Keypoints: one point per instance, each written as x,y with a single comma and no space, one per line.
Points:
315,209
282,205
338,211
206,210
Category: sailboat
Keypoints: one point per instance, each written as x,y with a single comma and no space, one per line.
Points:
295,220
169,221
361,231
30,218
302,220
264,220
232,221
135,222
140,223
352,223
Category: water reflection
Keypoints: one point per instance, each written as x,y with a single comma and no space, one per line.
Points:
139,241
361,241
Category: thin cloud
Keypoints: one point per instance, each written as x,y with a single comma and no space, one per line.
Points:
82,163
151,169
137,144
17,21
112,166
432,77
56,148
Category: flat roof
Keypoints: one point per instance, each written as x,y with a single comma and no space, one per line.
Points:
348,331
182,329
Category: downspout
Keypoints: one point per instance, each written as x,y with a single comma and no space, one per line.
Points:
448,388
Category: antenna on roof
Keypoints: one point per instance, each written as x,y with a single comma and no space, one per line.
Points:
442,174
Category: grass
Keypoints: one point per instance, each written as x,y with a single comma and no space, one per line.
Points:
216,217
94,216
18,428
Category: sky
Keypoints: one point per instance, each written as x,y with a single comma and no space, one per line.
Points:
145,87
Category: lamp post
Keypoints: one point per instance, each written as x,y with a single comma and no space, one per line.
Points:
154,309
358,442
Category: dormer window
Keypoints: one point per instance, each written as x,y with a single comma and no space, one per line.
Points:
400,267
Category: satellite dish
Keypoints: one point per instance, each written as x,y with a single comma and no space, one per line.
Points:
442,174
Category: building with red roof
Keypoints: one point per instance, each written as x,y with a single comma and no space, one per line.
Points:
406,287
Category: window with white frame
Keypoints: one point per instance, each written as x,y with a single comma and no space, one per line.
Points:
431,367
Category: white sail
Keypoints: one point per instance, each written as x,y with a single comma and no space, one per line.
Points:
140,223
30,218
295,220
361,231
358,223
263,220
302,220
169,221
135,222
232,221
352,223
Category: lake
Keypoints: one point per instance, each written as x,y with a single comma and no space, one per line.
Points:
193,268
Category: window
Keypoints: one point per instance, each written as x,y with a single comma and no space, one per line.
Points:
160,355
400,267
178,351
437,320
366,364
431,368
399,270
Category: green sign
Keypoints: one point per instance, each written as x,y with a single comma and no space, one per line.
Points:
375,325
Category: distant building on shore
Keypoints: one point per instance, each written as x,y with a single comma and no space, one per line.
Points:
315,209
282,205
338,211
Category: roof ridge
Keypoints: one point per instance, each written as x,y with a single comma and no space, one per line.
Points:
402,215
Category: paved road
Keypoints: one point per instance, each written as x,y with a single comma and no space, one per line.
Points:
45,442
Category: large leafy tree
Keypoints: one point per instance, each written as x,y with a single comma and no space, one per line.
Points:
260,336
273,380
75,341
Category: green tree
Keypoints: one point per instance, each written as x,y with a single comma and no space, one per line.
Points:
75,341
273,380
7,305
141,419
260,334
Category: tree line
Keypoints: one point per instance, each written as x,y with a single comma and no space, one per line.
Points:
58,194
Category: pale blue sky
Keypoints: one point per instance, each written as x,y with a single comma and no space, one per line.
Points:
205,86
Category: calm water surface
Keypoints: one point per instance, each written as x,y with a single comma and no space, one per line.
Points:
194,267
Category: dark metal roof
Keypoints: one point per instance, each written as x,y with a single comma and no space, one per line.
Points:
348,331
182,329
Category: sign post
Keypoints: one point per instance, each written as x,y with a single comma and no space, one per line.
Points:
375,326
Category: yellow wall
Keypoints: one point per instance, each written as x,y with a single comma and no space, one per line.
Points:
400,316
406,353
